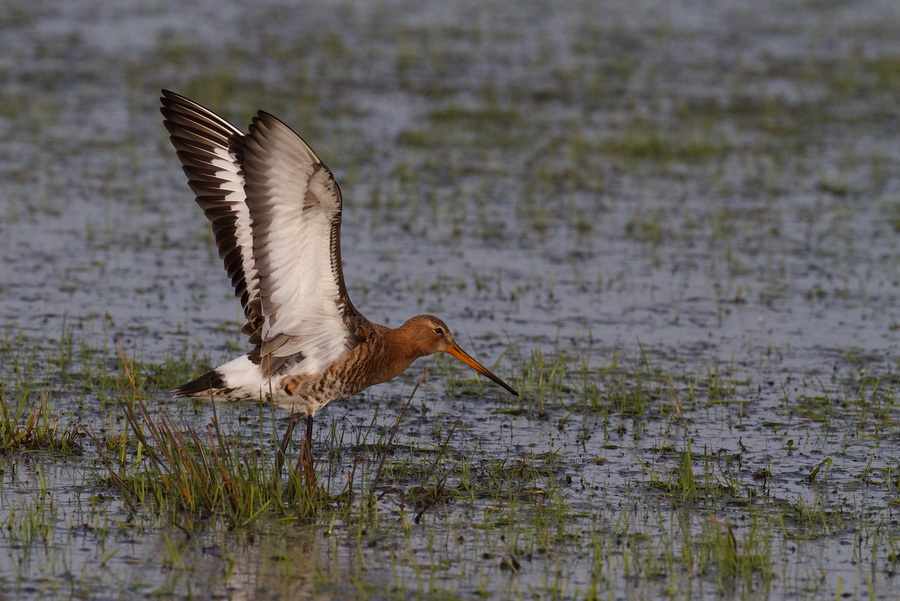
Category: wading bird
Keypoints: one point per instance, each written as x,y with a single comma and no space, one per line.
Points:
275,211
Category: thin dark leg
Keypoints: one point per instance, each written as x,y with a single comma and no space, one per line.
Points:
282,450
308,466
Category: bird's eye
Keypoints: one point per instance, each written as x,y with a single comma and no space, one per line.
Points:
439,331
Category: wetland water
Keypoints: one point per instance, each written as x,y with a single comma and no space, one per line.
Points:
674,227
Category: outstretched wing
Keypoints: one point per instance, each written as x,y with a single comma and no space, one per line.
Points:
295,212
211,151
276,214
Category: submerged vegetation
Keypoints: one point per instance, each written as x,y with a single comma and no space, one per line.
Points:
628,490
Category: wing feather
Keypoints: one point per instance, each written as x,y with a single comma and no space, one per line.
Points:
275,211
295,207
211,154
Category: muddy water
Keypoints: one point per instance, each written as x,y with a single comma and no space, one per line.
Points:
714,187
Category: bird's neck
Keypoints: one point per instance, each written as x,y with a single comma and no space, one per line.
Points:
398,350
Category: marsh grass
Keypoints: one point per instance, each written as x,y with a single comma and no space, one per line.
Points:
693,519
179,469
31,426
203,472
708,484
129,377
170,467
696,518
624,387
741,558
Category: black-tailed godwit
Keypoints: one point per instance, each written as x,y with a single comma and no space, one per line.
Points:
275,211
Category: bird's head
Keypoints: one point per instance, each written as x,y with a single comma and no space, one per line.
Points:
431,335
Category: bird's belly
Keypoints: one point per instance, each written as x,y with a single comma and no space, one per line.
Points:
308,393
304,393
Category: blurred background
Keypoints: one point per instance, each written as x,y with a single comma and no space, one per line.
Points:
711,180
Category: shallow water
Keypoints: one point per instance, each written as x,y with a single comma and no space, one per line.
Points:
707,196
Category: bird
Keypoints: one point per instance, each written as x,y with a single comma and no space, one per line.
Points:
275,211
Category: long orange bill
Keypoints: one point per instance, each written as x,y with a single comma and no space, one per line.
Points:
463,356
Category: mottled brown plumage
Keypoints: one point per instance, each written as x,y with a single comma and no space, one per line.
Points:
383,354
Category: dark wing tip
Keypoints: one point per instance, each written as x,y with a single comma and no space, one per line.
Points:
169,98
205,384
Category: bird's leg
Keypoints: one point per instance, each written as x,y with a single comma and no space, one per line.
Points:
306,452
282,450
